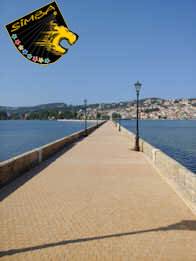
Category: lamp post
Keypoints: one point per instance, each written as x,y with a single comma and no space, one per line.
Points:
137,86
119,124
85,104
97,116
101,113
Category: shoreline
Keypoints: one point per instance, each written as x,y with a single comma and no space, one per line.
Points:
77,120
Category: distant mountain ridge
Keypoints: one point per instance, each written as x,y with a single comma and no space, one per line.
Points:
27,109
63,106
52,106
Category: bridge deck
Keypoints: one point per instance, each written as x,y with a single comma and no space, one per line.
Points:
96,201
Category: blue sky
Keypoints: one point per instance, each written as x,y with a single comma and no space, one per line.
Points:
119,43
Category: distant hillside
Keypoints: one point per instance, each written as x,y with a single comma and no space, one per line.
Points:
50,106
104,106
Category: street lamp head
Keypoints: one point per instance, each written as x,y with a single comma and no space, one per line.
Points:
137,86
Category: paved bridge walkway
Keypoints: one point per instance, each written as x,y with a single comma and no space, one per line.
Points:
96,201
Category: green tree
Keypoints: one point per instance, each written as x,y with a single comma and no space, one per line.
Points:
3,115
105,117
116,115
15,116
151,110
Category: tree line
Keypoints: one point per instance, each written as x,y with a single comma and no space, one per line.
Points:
51,115
40,115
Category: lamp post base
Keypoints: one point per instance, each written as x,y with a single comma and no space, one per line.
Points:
137,147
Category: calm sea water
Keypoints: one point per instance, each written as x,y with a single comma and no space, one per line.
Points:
17,137
177,138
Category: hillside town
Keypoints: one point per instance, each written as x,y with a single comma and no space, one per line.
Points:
151,108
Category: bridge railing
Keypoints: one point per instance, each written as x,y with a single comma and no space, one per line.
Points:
181,178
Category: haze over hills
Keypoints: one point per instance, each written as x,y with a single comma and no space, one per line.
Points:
26,109
64,106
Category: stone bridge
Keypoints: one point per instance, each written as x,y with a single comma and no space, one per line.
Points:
95,200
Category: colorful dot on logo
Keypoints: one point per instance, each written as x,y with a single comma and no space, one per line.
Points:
29,56
14,36
20,47
35,59
17,42
41,60
24,51
47,60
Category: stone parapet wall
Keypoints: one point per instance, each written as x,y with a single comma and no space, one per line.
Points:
177,175
14,167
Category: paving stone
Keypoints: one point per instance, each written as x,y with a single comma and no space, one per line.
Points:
97,201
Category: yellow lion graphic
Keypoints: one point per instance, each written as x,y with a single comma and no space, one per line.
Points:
51,39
